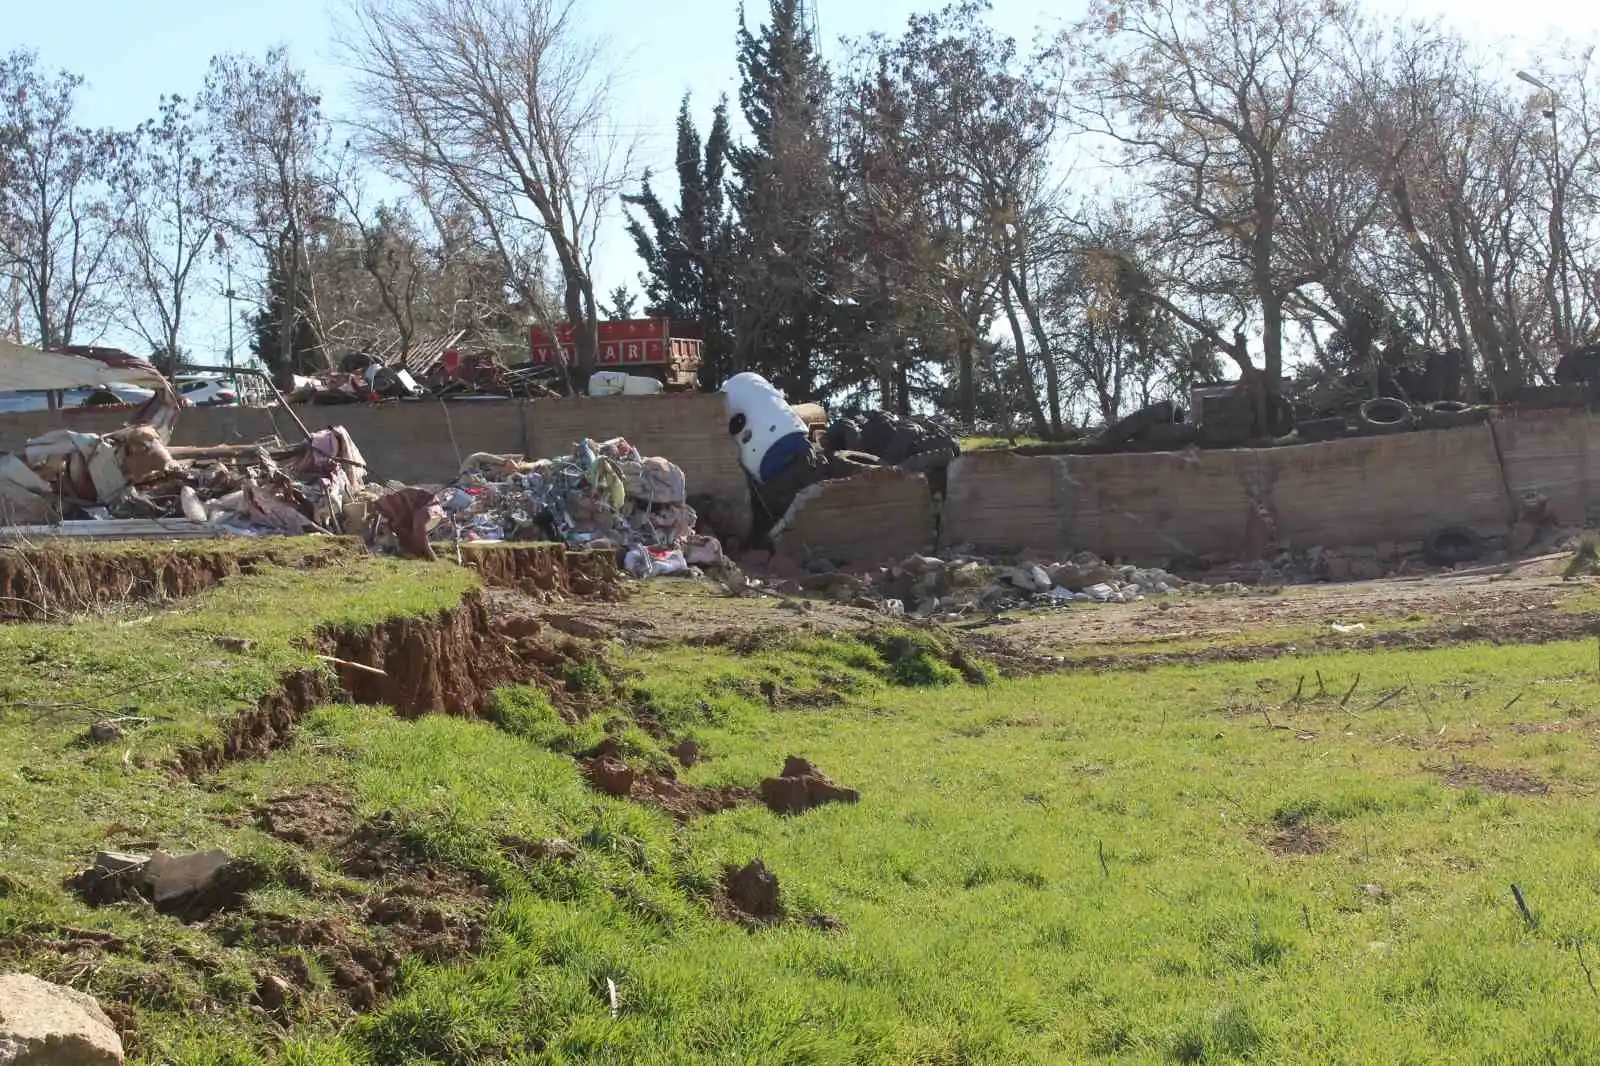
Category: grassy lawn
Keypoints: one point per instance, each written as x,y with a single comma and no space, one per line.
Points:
1226,863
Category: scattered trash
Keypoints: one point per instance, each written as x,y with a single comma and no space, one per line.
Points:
1344,630
82,483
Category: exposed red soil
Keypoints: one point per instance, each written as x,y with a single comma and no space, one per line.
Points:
800,787
48,583
612,776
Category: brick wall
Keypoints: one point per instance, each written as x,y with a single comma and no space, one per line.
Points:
1396,488
997,500
1157,506
1555,454
879,516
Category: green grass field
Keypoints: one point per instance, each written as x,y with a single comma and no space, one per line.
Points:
1231,863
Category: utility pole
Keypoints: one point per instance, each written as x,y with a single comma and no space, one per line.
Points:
233,379
1560,292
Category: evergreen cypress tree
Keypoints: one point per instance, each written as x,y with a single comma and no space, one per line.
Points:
786,200
266,323
687,252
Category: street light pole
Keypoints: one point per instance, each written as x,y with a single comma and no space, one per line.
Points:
1558,236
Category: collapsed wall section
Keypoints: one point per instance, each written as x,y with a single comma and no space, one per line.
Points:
877,516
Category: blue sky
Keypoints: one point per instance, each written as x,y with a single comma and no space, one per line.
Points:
133,51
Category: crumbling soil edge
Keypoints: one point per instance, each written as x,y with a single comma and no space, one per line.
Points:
449,663
41,584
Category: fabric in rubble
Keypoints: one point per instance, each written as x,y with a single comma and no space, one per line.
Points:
604,494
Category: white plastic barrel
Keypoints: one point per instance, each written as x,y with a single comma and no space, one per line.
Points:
763,425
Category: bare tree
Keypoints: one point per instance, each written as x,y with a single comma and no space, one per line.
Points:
1206,100
56,230
504,103
270,141
167,205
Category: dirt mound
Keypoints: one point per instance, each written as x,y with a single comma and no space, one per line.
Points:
1506,781
800,787
318,818
1293,834
45,583
751,893
610,775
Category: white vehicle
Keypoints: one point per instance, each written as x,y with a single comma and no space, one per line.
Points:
99,395
205,390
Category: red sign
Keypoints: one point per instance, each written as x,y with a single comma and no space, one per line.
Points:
639,342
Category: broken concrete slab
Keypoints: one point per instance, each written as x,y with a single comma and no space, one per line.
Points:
877,515
172,878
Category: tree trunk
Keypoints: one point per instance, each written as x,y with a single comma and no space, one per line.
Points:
967,385
1272,341
1030,390
585,334
1041,340
289,314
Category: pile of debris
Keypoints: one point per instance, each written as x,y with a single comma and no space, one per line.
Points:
603,495
132,473
362,378
949,587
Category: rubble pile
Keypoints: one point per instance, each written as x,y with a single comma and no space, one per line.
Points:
603,495
362,378
929,586
132,473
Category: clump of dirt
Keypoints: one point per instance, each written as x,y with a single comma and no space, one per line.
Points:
751,893
317,818
608,774
1506,781
1292,833
687,752
801,787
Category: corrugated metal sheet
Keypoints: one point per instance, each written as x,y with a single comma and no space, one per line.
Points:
24,369
423,354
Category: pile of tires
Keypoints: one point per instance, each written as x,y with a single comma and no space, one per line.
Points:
1385,415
